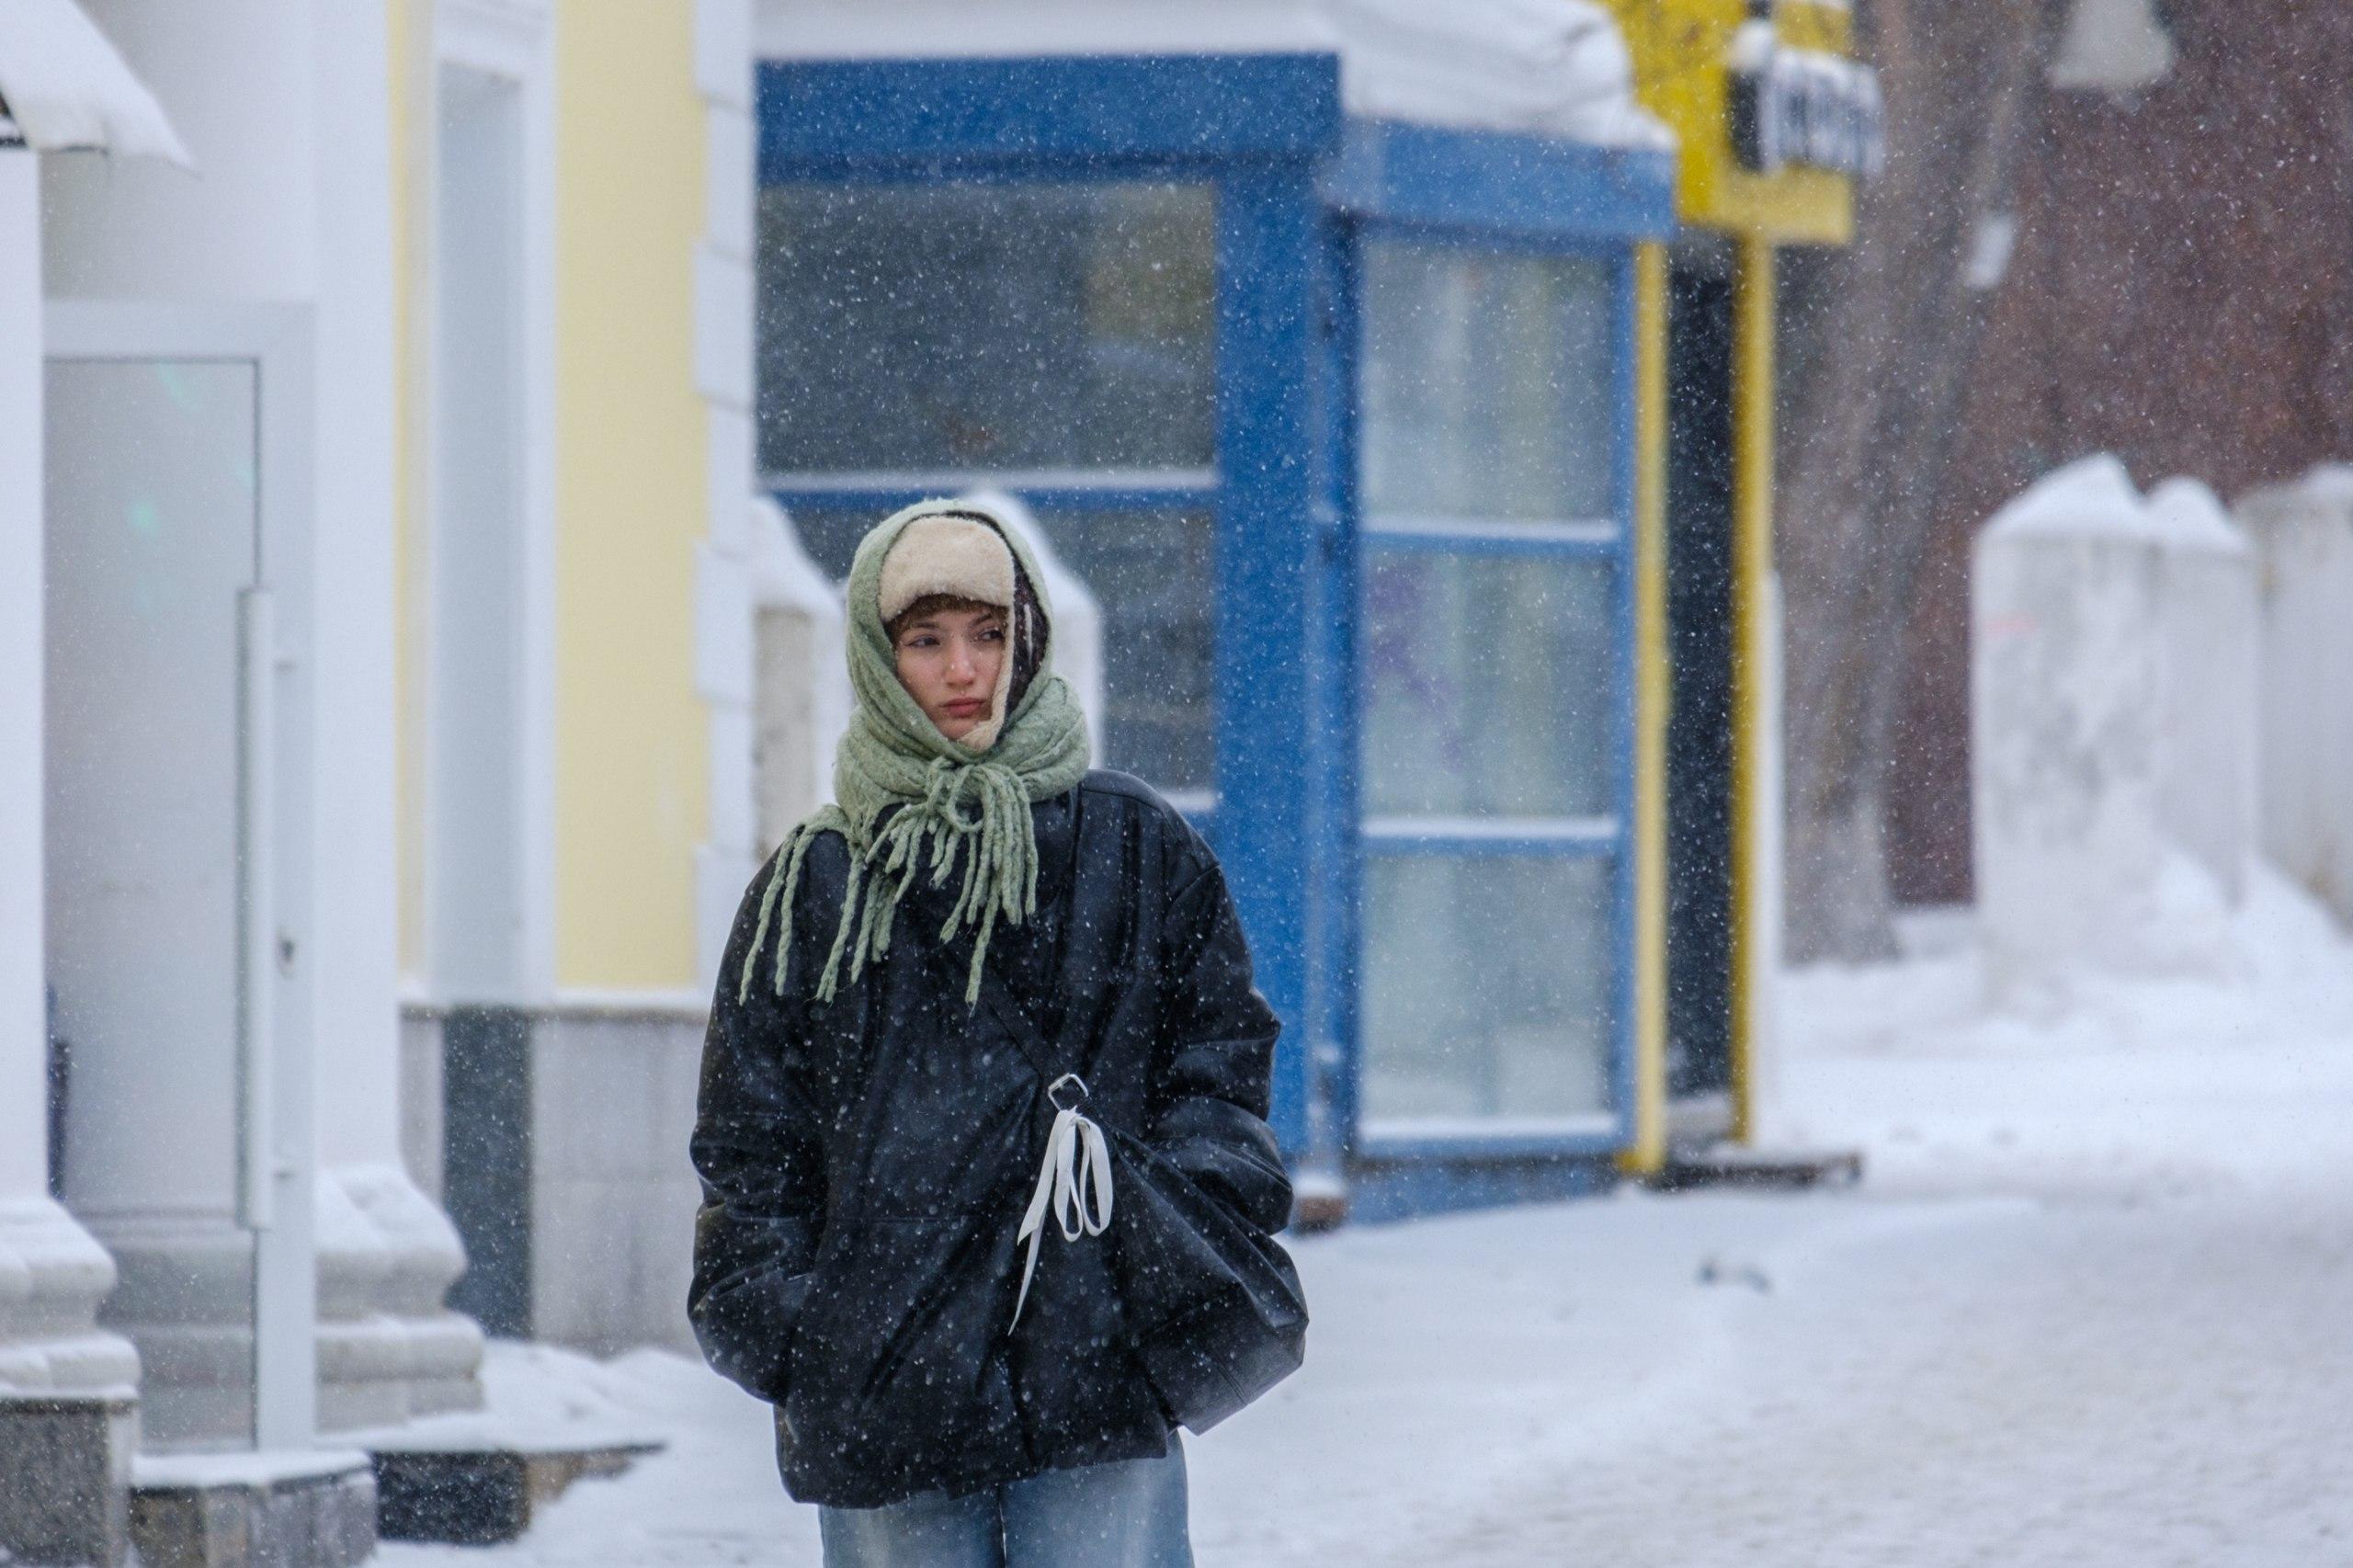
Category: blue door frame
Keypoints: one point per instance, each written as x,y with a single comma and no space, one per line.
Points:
1296,189
1476,191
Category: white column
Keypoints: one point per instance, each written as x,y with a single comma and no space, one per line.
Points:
2303,532
2066,670
724,634
388,1254
52,1274
801,683
285,109
2211,651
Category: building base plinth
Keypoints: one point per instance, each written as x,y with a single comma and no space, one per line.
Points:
265,1510
480,1493
66,1478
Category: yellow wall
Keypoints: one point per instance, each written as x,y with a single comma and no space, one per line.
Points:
631,754
1679,49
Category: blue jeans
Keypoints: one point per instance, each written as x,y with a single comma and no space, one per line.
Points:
1126,1515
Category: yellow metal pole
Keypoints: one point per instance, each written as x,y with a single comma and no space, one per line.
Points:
1653,692
1752,656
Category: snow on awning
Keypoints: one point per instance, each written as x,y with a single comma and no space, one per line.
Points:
63,85
1539,67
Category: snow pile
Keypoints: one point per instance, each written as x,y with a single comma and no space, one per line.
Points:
2091,499
2104,1083
547,1388
2280,967
1543,67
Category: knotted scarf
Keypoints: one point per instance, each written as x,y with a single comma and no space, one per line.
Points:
954,806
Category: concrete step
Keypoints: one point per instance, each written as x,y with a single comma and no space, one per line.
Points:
1737,1165
474,1480
272,1509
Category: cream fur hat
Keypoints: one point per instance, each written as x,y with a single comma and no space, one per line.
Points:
949,553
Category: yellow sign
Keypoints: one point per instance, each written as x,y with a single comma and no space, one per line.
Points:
1683,69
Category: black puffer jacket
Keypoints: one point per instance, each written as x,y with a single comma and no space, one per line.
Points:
866,1163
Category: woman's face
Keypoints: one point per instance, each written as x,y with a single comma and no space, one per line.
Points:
949,661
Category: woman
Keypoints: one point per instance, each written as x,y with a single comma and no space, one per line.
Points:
988,1188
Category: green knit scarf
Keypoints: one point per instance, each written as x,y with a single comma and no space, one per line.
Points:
949,798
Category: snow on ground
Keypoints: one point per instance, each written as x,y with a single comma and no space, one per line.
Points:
2092,1306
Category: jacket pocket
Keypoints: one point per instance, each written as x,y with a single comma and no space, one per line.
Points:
1213,1302
746,1327
899,1363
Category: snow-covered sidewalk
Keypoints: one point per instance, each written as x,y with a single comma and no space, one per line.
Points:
2092,1305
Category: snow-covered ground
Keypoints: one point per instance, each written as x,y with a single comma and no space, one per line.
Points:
2092,1305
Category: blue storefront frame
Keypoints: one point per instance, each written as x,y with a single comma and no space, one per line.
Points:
1497,193
1297,188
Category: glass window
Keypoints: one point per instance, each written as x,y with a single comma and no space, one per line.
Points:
971,327
1492,679
1153,575
1487,684
1485,988
1487,384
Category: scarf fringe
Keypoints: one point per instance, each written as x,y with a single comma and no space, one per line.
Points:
998,840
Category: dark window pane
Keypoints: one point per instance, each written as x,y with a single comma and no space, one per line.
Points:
1487,384
1152,573
986,327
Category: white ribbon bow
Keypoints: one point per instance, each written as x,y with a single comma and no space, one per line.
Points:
1074,1179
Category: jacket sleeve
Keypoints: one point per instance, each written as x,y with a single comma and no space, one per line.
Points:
755,1147
1216,1054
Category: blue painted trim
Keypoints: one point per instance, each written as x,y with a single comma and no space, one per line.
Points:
1494,182
1394,1147
1266,640
835,117
969,172
1412,1174
1341,887
1382,1191
1407,541
882,500
1593,846
1498,242
1624,731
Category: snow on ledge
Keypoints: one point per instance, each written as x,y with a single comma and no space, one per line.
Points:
1536,67
2093,499
2190,516
937,29
1539,67
67,88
